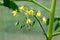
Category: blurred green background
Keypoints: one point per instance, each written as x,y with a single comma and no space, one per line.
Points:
8,30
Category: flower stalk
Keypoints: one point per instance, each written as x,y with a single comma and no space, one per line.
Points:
41,27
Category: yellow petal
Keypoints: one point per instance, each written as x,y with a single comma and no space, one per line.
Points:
14,13
21,8
38,14
29,21
29,12
44,20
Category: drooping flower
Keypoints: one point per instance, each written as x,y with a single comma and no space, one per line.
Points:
14,13
38,14
29,21
21,8
17,23
30,12
44,20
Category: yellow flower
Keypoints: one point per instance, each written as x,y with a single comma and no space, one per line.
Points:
38,14
14,13
29,12
29,21
44,20
21,8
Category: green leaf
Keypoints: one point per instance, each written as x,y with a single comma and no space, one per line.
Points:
13,6
1,3
10,4
6,3
55,19
57,26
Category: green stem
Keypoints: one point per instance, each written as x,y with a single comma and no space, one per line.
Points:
50,27
39,4
41,27
55,34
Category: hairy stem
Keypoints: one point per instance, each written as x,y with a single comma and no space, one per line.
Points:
50,27
55,34
40,5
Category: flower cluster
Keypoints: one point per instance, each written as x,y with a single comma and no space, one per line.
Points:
30,12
